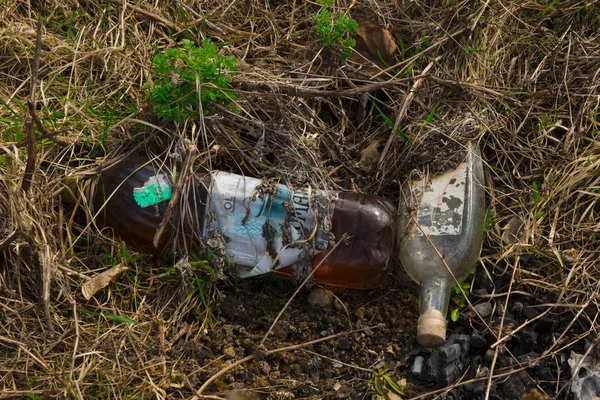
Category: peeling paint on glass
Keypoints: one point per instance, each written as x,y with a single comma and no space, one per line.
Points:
443,203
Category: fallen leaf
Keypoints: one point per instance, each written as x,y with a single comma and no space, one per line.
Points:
100,281
375,42
369,156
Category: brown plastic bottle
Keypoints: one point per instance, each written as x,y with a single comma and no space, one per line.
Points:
131,199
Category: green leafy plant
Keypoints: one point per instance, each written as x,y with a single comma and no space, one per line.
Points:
383,383
200,275
536,199
390,123
113,317
334,28
489,222
462,292
177,73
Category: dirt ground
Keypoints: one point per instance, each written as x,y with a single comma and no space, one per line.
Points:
423,78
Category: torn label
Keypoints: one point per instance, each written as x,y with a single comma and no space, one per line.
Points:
442,203
155,190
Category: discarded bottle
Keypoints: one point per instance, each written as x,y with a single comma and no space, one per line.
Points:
265,225
440,234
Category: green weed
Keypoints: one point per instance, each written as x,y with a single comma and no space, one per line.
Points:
462,292
390,123
489,222
177,72
431,115
334,28
113,317
383,383
536,199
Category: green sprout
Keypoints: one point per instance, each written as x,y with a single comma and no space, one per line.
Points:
462,292
180,72
334,28
383,383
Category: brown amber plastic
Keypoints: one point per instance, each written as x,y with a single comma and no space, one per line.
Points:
116,208
359,262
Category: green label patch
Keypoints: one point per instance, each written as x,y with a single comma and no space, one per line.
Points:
155,190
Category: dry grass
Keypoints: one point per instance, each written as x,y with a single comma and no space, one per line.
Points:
522,78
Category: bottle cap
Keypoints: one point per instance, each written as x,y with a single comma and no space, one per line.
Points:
431,329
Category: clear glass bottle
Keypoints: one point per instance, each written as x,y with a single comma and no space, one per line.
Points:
264,224
440,235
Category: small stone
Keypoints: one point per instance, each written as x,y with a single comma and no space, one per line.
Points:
418,365
229,352
526,339
450,353
545,374
446,363
465,344
483,281
527,359
483,309
321,298
513,231
345,344
506,319
479,387
477,341
360,313
450,374
530,312
545,325
480,292
264,367
517,307
489,355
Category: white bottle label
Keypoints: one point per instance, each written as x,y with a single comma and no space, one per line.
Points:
441,203
245,216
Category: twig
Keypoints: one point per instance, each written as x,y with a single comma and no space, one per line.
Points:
462,84
273,89
146,13
32,256
459,384
280,350
427,50
402,113
13,394
46,135
24,349
298,290
479,14
183,176
499,336
74,353
6,242
31,149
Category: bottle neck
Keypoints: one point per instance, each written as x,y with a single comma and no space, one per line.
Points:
435,295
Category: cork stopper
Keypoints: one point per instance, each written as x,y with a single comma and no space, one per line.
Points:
431,329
